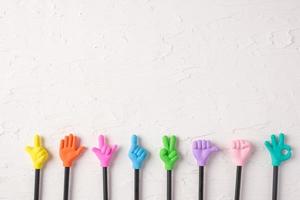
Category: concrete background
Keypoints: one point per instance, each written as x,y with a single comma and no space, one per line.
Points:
213,69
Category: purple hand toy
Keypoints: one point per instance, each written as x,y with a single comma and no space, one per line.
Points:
202,150
104,152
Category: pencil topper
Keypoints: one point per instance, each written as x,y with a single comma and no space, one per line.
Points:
169,154
240,151
202,149
278,150
137,154
104,152
69,150
38,153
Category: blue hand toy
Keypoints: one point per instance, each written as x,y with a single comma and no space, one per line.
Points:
137,154
278,150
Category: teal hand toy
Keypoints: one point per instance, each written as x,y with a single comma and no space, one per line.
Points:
137,154
278,150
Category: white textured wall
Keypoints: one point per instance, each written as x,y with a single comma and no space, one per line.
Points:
214,69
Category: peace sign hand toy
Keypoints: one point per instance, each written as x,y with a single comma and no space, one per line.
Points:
169,155
279,152
202,149
69,152
240,152
39,156
137,155
104,154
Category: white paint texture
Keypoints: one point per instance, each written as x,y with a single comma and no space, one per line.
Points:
214,69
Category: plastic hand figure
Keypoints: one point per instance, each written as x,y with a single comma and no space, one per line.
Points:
104,152
69,150
169,154
38,153
240,151
202,149
278,150
137,154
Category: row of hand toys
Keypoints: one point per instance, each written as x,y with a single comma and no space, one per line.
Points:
241,150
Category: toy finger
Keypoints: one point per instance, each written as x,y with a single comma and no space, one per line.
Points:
174,158
165,141
66,141
37,141
103,149
281,139
71,140
195,146
108,151
74,142
136,150
199,144
214,148
80,150
140,151
172,142
114,148
273,138
203,144
288,154
208,144
238,144
134,141
268,145
101,140
163,154
143,155
28,149
172,154
96,150
61,145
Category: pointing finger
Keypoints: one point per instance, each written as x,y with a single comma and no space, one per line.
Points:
273,138
101,140
134,141
37,141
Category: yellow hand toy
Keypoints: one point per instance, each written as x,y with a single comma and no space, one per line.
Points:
38,153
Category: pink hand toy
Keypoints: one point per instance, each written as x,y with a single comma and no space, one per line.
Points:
104,152
240,151
202,149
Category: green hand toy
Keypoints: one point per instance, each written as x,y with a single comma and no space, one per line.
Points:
169,155
279,152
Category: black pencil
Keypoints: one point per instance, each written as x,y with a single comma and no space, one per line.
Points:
66,183
105,185
275,183
238,182
37,184
136,184
169,184
201,183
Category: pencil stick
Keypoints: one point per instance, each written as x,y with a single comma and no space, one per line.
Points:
169,184
201,182
136,184
66,183
37,184
238,182
105,185
275,183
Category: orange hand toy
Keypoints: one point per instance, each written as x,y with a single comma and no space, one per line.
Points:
39,156
69,152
